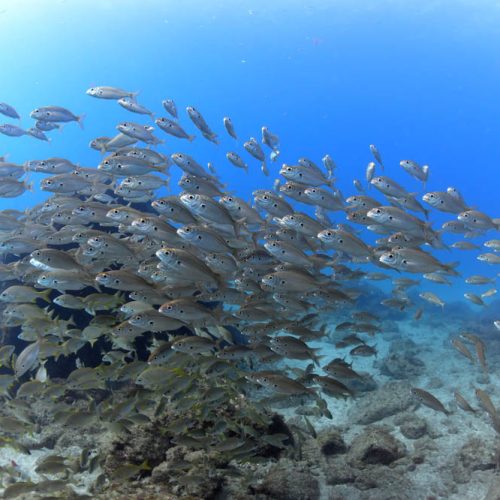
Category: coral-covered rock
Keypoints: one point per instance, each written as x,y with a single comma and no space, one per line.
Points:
384,483
402,362
339,472
331,442
411,426
475,454
288,480
392,398
375,446
144,444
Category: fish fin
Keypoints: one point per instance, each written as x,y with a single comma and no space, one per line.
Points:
191,138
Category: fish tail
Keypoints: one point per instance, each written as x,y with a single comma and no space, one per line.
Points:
45,295
191,138
80,119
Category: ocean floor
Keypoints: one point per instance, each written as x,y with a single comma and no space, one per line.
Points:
381,444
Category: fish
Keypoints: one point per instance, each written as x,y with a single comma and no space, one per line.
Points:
420,173
8,110
474,219
12,130
462,349
363,350
493,244
56,114
432,298
376,154
115,93
415,261
279,383
427,399
200,123
477,279
462,403
475,299
480,348
27,359
486,403
170,107
332,387
171,127
236,160
228,125
138,132
489,258
130,104
444,202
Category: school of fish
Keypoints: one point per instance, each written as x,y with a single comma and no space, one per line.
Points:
200,297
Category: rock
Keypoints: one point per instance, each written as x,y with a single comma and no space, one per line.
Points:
145,443
411,426
475,454
339,472
365,384
384,483
494,489
391,398
331,442
288,480
435,383
375,446
401,362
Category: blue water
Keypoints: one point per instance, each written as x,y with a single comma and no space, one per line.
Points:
418,79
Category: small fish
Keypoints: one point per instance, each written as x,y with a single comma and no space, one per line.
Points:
173,128
370,172
363,350
464,245
130,104
375,152
8,110
27,359
115,93
462,403
22,294
432,298
170,107
193,345
489,293
462,349
493,244
429,400
486,403
228,125
12,130
489,258
236,160
201,124
56,114
271,140
477,279
475,299
128,471
138,132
